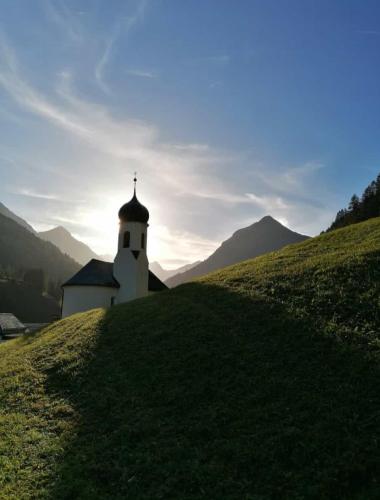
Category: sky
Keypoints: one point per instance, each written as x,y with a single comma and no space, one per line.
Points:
227,110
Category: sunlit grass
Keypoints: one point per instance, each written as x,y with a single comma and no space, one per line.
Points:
257,381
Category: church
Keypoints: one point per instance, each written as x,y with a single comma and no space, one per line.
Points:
103,284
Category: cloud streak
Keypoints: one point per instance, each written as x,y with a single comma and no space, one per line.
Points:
196,180
59,14
33,194
141,73
121,27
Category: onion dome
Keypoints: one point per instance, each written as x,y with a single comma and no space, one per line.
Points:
134,211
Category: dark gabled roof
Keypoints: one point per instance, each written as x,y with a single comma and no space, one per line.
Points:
9,323
155,284
99,273
96,273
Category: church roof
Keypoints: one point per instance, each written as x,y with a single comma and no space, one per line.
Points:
155,284
94,273
9,323
100,273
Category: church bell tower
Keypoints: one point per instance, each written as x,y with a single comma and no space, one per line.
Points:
131,268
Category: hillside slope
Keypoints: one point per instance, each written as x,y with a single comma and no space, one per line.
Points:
8,213
259,238
19,248
256,382
62,239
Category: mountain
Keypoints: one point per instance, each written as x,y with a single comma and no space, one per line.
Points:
261,237
21,249
7,213
165,274
62,239
257,381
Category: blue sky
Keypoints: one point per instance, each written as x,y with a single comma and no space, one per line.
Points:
227,110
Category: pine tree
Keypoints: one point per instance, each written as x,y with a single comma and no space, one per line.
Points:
359,210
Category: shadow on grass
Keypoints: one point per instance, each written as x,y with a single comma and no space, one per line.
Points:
207,393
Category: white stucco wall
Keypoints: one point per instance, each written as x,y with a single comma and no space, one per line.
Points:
135,229
82,298
132,274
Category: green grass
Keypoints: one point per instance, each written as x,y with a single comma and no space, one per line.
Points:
259,381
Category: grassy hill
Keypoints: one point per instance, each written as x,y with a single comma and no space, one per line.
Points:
256,382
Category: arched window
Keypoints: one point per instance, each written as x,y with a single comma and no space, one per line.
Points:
143,241
127,239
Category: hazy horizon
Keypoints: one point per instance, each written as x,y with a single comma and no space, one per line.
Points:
228,112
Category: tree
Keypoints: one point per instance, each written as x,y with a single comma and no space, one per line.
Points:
54,289
354,203
359,210
36,279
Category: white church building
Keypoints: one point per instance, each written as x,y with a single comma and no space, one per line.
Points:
103,284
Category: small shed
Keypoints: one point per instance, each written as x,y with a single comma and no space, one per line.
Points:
10,325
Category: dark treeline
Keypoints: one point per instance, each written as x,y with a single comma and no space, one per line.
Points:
36,279
29,294
360,209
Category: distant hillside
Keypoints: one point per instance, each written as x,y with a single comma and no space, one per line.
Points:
261,237
20,249
8,213
62,239
165,274
260,381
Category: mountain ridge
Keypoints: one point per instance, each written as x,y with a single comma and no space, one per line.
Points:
20,248
165,274
6,212
263,236
68,244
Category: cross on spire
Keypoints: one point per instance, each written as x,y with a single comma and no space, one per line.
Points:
134,181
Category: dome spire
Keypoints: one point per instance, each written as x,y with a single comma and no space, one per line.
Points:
134,211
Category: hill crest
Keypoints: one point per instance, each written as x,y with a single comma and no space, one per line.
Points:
256,381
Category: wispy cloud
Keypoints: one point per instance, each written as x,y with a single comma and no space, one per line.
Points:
33,194
122,27
66,19
90,122
104,59
141,73
195,177
269,203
